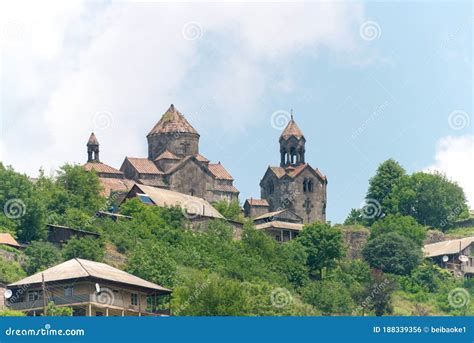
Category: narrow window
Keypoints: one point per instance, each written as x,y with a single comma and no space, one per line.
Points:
68,291
134,298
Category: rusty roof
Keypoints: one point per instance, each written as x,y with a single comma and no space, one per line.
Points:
143,165
168,155
92,140
7,239
257,202
291,130
100,167
172,122
219,171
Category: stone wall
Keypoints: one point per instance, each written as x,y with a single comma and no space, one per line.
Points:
174,142
355,237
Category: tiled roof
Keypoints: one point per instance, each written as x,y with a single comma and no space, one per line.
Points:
79,268
167,155
219,171
92,140
115,185
201,158
226,188
143,165
291,130
100,167
294,171
7,239
280,225
257,202
171,122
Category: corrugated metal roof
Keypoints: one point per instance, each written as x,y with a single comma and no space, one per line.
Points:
193,205
280,225
219,171
447,247
79,268
143,165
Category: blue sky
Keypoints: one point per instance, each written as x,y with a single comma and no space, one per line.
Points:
367,81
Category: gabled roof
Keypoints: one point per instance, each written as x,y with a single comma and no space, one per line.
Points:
257,202
201,158
168,155
100,167
277,214
166,198
219,171
7,239
295,171
92,140
171,122
79,268
143,165
450,247
115,185
291,130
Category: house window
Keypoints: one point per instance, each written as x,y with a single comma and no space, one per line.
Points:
310,186
191,192
278,238
34,295
271,187
134,298
68,291
305,186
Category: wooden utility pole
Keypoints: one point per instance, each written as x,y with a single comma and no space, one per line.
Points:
43,286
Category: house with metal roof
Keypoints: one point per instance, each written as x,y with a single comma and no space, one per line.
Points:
90,289
457,255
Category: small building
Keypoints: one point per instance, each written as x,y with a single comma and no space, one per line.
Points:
8,240
447,254
58,234
283,225
255,207
90,289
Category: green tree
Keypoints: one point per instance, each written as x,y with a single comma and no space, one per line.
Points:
10,271
87,248
379,294
152,262
355,217
329,296
404,225
229,209
55,311
392,253
40,256
431,199
324,246
24,212
387,176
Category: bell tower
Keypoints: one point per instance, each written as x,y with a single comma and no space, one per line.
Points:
93,149
292,145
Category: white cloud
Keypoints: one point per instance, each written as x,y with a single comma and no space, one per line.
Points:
130,59
455,157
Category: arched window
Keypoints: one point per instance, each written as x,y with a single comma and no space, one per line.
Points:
305,185
310,186
191,192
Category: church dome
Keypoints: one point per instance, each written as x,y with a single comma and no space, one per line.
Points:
291,130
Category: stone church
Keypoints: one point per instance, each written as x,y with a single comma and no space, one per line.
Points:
173,163
293,185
